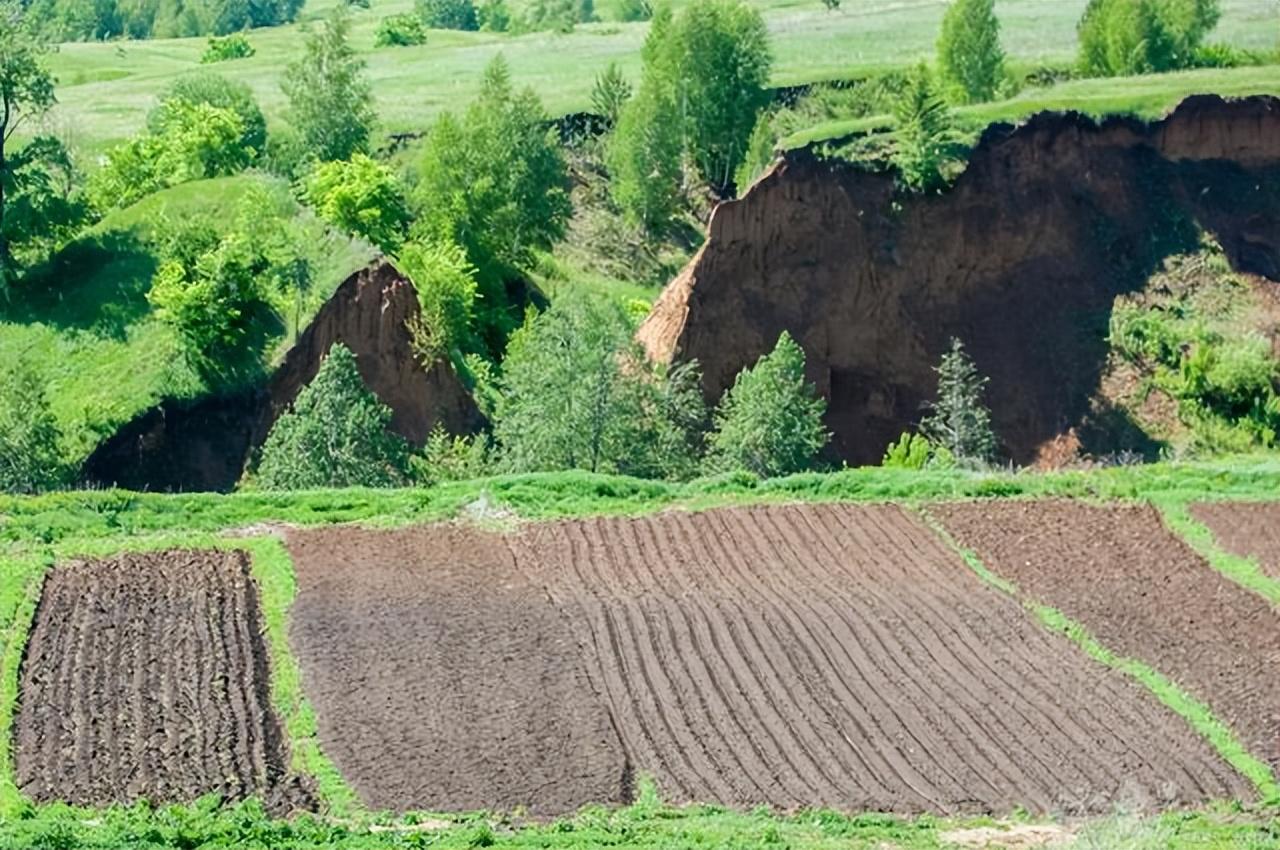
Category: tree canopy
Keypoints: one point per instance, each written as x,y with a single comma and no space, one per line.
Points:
330,101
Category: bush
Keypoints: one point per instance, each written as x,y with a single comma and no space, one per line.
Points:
216,90
958,421
450,458
226,48
446,285
400,31
1123,37
770,421
360,196
29,435
915,451
969,53
448,14
334,435
611,93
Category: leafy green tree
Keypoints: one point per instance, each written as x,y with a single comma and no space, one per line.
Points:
924,135
576,393
446,285
29,435
496,183
958,420
330,101
494,16
632,10
770,421
26,92
361,196
1124,37
335,435
216,90
44,206
969,53
611,93
644,159
448,14
400,31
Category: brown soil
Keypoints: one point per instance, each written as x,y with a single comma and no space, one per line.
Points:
791,656
1144,594
1022,259
145,677
443,678
204,446
1250,530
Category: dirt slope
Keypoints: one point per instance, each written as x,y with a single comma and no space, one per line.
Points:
1022,259
146,678
205,445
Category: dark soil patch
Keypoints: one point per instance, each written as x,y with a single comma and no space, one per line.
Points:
1145,594
145,677
1250,530
445,679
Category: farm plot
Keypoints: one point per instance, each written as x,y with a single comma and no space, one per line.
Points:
443,678
146,677
843,656
1145,594
1247,529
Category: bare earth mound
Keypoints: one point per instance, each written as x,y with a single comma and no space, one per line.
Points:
445,679
1145,594
146,677
1250,530
842,656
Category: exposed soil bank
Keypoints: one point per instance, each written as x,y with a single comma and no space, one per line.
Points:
1021,259
1146,595
205,445
1250,530
146,678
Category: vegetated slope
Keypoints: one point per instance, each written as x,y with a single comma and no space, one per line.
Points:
1022,259
443,678
1145,595
204,445
145,678
1247,529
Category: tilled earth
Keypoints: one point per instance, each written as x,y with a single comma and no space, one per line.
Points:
145,677
1247,529
1145,594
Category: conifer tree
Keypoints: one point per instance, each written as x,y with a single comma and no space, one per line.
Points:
959,420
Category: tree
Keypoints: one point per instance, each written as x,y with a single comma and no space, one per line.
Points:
1124,37
44,206
770,421
335,435
958,420
446,285
216,90
924,134
360,196
644,159
494,182
611,93
576,393
29,435
969,53
330,101
26,91
448,14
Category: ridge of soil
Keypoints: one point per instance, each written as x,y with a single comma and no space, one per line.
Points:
145,677
1246,529
1145,594
1022,259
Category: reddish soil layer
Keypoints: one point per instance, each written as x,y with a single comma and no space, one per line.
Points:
146,678
445,679
1144,594
1250,530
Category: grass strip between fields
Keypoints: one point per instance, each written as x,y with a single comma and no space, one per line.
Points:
20,581
1243,571
1198,715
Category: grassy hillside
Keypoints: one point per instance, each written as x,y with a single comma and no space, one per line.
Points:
105,89
85,323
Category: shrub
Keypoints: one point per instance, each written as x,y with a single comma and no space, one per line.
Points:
770,421
226,48
958,420
628,11
330,101
215,90
29,435
334,435
446,285
915,451
360,196
1123,37
448,14
969,53
611,93
450,458
400,31
924,133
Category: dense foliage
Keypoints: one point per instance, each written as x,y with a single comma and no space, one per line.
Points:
335,435
924,134
447,291
80,20
207,87
400,31
1119,37
330,101
29,458
227,47
770,421
958,420
448,14
970,58
360,196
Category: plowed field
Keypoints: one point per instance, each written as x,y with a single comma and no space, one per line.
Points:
792,656
1250,530
146,677
1145,594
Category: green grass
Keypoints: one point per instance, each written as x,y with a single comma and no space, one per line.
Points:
85,324
1243,571
106,89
